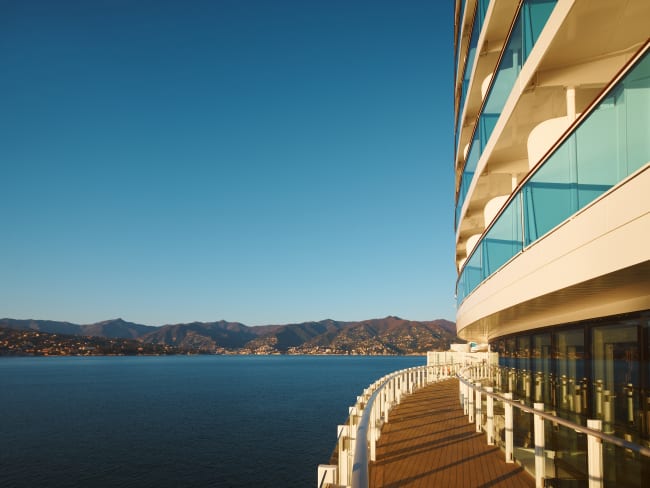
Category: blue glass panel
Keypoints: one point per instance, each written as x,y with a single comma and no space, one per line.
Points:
479,17
597,165
486,126
530,22
474,268
504,239
636,117
550,196
535,13
610,144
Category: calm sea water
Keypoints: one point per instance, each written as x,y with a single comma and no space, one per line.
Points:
176,421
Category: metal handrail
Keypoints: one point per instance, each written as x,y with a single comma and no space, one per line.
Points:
365,430
359,478
617,441
360,463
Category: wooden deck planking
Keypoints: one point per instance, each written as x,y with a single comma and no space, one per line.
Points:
428,442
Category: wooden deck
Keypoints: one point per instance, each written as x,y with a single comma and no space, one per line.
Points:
428,442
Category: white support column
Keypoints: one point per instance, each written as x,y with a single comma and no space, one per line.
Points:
571,103
490,417
540,462
479,408
471,403
508,420
595,456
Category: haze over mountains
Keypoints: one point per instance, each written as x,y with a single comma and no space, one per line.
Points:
390,335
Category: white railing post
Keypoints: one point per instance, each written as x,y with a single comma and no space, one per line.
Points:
461,389
373,436
595,455
387,403
508,420
479,408
343,432
465,399
540,464
471,403
326,475
490,416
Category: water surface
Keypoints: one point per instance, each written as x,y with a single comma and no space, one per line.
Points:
226,421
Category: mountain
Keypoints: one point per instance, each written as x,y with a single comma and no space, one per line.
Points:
115,328
49,326
389,335
203,336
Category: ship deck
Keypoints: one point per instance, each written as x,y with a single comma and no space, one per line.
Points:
429,442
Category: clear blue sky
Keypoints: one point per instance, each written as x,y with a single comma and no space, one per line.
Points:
254,161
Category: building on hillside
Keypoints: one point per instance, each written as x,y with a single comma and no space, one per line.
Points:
552,215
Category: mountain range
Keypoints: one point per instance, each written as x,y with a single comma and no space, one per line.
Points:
389,335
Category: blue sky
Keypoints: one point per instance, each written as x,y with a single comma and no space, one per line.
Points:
254,161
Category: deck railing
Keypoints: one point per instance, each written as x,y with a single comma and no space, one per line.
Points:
357,439
569,460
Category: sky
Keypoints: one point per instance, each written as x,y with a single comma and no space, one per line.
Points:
264,162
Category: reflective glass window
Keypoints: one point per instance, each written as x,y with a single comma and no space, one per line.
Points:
616,371
568,356
541,367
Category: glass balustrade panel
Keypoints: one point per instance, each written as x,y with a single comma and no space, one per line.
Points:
526,30
609,145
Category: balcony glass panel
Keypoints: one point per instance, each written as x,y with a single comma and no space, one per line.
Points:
636,147
611,143
474,268
550,196
527,28
477,26
503,240
535,14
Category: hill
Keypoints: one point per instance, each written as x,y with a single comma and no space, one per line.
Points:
389,335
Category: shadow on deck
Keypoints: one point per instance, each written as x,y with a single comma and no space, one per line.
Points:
428,442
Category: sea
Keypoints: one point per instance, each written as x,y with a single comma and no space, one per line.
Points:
177,421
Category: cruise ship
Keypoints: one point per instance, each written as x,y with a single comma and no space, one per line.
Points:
552,207
552,248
